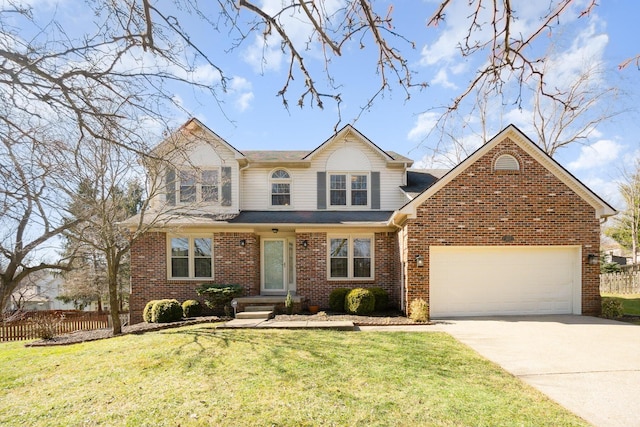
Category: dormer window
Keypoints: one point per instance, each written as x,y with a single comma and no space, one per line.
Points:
280,188
506,162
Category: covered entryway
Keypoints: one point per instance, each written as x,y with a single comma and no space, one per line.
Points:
504,280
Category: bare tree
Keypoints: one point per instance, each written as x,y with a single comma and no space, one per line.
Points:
31,209
109,188
577,110
626,226
570,117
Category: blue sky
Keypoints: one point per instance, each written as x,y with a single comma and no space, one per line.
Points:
253,117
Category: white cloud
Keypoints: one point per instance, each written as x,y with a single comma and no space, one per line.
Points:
241,89
442,79
586,52
424,124
263,56
596,155
244,101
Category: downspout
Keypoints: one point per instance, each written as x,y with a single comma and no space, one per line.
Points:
392,222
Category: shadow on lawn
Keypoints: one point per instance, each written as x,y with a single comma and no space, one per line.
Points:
256,340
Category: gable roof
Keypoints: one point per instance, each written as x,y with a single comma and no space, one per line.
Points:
301,158
602,208
190,127
348,130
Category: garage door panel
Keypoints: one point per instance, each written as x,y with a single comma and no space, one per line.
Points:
470,281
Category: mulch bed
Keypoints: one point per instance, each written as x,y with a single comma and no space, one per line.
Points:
100,334
390,318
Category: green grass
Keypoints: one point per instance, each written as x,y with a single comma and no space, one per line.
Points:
200,376
630,304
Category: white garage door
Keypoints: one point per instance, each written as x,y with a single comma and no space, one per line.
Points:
504,280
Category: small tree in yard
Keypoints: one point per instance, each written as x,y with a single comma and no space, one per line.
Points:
218,297
107,192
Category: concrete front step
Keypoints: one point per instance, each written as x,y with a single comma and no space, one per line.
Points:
254,315
259,308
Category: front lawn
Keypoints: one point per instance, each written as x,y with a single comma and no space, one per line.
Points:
630,305
198,375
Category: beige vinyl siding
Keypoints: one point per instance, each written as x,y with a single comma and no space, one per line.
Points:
201,154
256,190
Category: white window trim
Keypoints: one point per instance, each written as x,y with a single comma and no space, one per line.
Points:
198,185
350,238
348,178
280,181
191,238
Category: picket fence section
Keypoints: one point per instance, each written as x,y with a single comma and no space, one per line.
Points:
625,282
30,325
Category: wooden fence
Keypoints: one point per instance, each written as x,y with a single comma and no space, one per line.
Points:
30,325
625,282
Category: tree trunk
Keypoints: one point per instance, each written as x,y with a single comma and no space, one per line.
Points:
113,295
115,310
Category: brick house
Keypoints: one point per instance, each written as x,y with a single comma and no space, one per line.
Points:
507,231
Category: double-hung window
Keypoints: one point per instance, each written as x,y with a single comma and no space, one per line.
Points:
191,257
209,185
348,189
199,185
188,186
350,257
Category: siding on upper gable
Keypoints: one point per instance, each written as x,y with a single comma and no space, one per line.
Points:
391,197
256,189
205,154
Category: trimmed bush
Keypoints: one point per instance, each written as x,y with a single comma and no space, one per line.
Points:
382,298
359,301
218,297
166,310
612,308
336,299
419,310
146,313
191,308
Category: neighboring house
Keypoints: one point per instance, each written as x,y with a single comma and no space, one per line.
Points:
508,231
39,291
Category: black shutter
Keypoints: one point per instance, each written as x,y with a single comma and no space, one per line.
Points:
170,186
375,190
226,186
322,190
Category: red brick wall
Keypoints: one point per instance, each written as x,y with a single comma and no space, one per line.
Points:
479,207
311,268
232,264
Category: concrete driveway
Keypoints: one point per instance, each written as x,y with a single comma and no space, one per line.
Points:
589,365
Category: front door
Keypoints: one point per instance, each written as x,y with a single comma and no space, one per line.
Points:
277,266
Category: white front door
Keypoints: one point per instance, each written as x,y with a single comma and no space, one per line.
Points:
278,266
